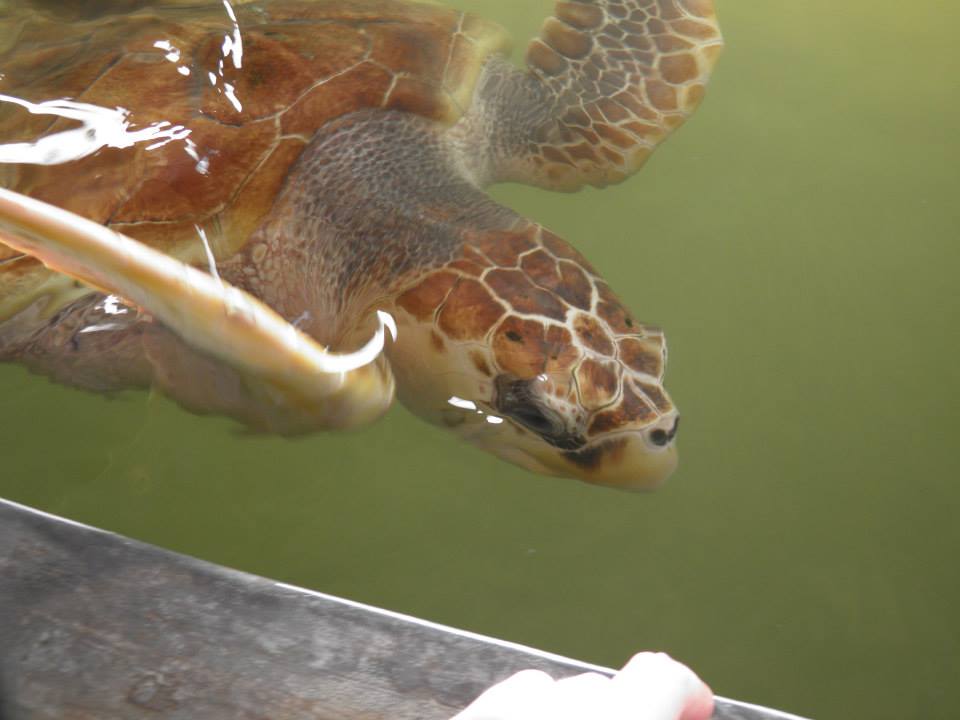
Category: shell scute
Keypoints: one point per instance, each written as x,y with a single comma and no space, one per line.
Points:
365,83
518,347
632,409
303,65
280,64
411,50
469,311
98,197
542,268
657,396
416,96
255,197
467,267
592,334
423,300
515,287
612,311
560,248
503,248
171,188
597,383
561,353
643,355
575,287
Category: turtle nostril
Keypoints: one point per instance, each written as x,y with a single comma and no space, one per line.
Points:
659,437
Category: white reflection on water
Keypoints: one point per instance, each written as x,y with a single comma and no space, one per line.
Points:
172,54
110,305
233,44
233,48
470,406
461,403
211,261
110,127
99,127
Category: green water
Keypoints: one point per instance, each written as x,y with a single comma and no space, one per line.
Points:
798,241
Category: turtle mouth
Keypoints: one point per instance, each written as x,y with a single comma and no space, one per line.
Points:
570,442
626,462
517,400
590,458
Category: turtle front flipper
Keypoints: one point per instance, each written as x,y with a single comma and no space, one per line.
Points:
608,80
281,372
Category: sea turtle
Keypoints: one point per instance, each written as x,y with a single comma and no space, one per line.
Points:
322,162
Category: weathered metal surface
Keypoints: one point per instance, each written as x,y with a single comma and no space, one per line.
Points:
94,626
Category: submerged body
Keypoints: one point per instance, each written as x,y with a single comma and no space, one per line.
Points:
336,169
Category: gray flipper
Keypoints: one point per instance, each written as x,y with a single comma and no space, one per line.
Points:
607,81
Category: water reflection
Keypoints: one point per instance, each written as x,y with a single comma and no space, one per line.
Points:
105,127
211,260
233,48
100,127
471,406
173,55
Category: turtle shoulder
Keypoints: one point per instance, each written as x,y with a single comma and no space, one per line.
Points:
194,117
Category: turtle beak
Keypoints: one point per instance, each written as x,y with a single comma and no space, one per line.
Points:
635,459
628,462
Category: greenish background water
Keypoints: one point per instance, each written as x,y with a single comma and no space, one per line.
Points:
798,241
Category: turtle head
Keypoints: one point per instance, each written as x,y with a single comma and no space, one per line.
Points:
555,377
548,429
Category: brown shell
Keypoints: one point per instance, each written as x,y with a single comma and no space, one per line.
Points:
303,64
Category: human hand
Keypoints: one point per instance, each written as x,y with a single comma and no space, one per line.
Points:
651,686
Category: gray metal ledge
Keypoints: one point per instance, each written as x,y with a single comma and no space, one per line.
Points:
95,626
